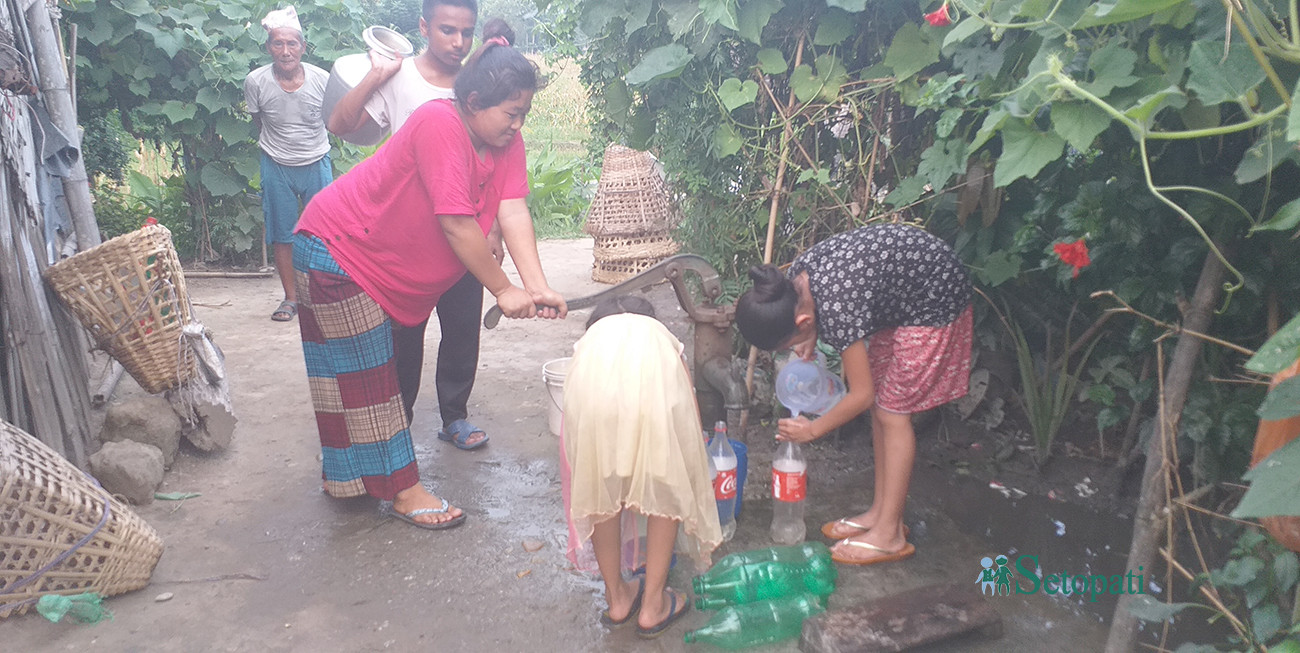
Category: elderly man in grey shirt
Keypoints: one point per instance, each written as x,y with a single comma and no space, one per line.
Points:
284,98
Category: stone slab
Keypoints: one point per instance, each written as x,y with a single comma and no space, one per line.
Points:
902,621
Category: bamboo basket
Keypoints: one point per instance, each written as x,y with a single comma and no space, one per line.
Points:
129,292
619,271
622,248
60,533
632,198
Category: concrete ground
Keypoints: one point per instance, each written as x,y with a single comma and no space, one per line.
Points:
263,561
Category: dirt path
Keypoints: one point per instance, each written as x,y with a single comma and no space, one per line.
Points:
263,561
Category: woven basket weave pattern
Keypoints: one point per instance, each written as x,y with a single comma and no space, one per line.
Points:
631,197
129,292
616,248
46,507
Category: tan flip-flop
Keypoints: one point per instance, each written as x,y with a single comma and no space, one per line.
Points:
888,556
829,526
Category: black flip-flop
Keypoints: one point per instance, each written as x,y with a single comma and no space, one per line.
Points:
409,517
631,612
673,615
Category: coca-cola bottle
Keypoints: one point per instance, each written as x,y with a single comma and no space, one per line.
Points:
724,484
789,488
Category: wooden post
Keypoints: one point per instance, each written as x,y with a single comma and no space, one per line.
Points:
1149,519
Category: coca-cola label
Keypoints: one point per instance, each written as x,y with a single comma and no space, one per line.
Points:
724,486
789,486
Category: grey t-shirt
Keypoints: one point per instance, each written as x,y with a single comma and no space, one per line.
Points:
293,132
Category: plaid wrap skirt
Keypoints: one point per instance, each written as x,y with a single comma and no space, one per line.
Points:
347,341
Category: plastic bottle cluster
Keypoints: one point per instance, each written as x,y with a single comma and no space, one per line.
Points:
763,596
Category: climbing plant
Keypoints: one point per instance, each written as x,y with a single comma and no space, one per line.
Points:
1065,148
175,72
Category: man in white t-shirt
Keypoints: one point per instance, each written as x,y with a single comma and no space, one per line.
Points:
285,98
386,96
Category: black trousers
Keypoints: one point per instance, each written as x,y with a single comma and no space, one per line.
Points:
459,310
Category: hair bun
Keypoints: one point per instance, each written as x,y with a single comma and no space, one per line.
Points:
495,27
768,281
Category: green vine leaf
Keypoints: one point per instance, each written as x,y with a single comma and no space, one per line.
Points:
772,62
662,62
735,93
911,51
753,15
618,100
1144,112
833,75
720,12
1025,151
233,130
1111,67
177,111
1268,152
726,141
636,17
1279,351
1215,79
907,191
1274,485
596,15
833,27
219,182
1079,123
941,161
234,11
852,6
1282,401
1286,218
804,83
1146,608
1110,12
967,28
98,32
999,267
210,99
135,8
992,124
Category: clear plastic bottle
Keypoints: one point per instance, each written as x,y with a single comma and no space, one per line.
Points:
724,461
789,488
752,624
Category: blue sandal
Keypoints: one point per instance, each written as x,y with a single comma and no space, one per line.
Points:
459,433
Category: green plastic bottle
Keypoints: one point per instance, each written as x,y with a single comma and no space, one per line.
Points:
798,555
757,581
754,624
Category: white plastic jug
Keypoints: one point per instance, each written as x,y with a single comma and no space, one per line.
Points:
808,387
553,373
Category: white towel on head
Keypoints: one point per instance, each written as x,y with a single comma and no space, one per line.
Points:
287,17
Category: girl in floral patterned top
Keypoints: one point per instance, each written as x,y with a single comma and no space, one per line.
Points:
895,302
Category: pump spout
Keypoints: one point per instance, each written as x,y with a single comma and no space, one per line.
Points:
719,376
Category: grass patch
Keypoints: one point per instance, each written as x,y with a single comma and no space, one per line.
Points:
562,179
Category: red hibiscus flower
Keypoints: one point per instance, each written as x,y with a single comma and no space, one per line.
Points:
1075,253
940,17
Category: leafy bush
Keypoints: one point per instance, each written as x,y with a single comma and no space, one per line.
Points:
560,191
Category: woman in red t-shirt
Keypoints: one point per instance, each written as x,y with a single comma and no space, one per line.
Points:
384,241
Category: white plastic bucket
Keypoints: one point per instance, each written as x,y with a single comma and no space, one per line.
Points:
553,373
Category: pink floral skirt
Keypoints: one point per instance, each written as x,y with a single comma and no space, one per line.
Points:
917,368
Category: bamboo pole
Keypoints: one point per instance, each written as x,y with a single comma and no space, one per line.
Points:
58,101
1152,511
787,133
